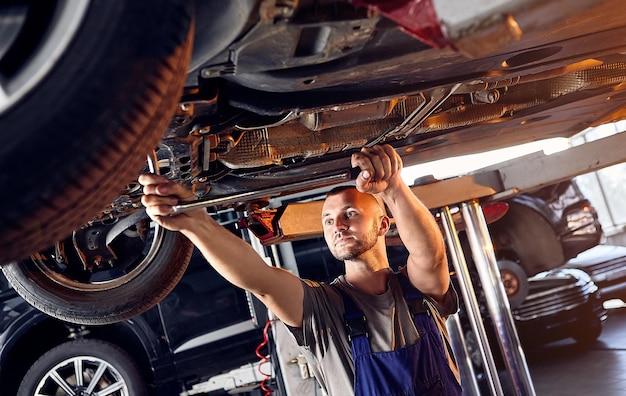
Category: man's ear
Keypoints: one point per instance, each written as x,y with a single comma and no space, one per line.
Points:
385,225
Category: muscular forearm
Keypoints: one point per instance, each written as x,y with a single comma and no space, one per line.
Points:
427,264
231,256
240,264
416,225
380,174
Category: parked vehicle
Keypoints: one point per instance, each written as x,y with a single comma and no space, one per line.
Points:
561,304
204,327
247,99
606,264
558,221
540,231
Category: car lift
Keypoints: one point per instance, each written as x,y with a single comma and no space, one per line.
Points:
488,184
466,193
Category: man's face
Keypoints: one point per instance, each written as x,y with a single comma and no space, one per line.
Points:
351,223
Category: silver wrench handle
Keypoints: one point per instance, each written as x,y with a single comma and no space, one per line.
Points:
272,192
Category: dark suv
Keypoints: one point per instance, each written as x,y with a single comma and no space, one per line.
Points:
204,327
540,231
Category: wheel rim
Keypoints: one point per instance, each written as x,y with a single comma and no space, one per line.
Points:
129,256
83,376
98,258
25,62
510,282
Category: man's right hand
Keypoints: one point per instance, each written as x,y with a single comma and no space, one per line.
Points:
160,195
380,169
236,260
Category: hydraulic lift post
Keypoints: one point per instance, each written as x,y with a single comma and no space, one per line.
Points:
497,301
497,304
464,193
496,182
457,337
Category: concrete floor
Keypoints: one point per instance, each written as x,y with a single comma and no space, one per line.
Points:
565,369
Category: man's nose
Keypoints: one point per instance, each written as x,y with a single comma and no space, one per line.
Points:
340,225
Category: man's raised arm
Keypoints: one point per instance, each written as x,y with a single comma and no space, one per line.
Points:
427,265
232,257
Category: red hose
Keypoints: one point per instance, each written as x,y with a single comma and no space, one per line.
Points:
264,359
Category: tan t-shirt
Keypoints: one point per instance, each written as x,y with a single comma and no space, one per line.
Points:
323,340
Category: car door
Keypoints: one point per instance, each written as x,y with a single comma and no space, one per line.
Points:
212,326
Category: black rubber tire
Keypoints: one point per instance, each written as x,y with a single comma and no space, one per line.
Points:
72,143
515,282
589,333
120,367
100,303
530,236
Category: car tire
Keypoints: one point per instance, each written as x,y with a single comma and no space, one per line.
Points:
153,267
515,282
526,236
83,129
87,355
587,334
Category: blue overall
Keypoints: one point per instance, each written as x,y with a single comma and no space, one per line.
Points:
418,369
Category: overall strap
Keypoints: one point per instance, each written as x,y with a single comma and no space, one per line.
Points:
356,329
422,317
414,298
354,317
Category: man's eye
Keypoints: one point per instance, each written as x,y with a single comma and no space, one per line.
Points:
328,222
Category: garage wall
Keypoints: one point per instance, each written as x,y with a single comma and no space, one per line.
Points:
606,188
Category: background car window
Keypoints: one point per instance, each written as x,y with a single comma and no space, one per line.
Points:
12,305
203,301
4,285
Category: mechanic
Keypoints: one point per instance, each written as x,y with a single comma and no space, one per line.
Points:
398,343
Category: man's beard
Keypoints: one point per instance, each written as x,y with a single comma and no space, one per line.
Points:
358,247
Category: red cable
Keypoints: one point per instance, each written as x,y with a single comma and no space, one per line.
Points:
264,359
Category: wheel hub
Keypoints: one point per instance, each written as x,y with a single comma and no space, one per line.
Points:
82,392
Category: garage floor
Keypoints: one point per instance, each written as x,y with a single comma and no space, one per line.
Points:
565,369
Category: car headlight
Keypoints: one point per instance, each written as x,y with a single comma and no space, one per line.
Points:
582,221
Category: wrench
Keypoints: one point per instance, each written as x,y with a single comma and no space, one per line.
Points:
348,175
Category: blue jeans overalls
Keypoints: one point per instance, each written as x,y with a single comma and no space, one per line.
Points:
418,369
